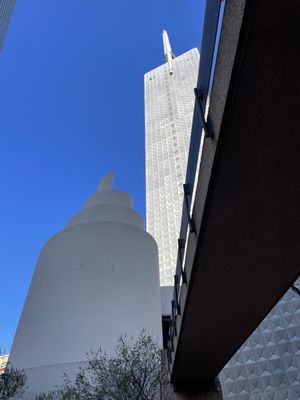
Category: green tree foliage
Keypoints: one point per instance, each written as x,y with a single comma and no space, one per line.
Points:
136,371
12,383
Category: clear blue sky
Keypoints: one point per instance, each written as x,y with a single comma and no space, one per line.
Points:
71,101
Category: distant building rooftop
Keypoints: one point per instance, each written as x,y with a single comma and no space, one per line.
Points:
3,362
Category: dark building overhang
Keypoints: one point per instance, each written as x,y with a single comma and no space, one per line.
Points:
245,253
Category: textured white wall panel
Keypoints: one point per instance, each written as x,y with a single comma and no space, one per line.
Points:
95,280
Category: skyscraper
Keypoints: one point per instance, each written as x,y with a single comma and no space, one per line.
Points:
6,9
267,366
169,106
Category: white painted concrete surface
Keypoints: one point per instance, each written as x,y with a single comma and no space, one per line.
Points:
96,279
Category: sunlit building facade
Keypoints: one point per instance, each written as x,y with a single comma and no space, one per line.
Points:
169,106
3,362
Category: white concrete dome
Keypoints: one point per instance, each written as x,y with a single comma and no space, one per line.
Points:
95,280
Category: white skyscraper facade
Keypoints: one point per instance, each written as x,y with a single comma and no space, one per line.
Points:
169,107
6,9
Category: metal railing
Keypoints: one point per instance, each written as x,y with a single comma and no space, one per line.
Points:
211,27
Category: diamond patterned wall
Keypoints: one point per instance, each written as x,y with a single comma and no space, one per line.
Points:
267,366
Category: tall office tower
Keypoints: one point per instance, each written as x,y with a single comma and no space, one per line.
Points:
169,106
6,9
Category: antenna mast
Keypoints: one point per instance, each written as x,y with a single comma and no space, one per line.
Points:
169,55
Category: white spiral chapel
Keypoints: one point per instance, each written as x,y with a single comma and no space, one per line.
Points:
95,280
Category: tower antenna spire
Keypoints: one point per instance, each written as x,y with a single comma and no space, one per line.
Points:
169,55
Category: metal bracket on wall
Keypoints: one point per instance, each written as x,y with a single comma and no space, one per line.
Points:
295,289
207,130
187,193
176,285
174,308
180,253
